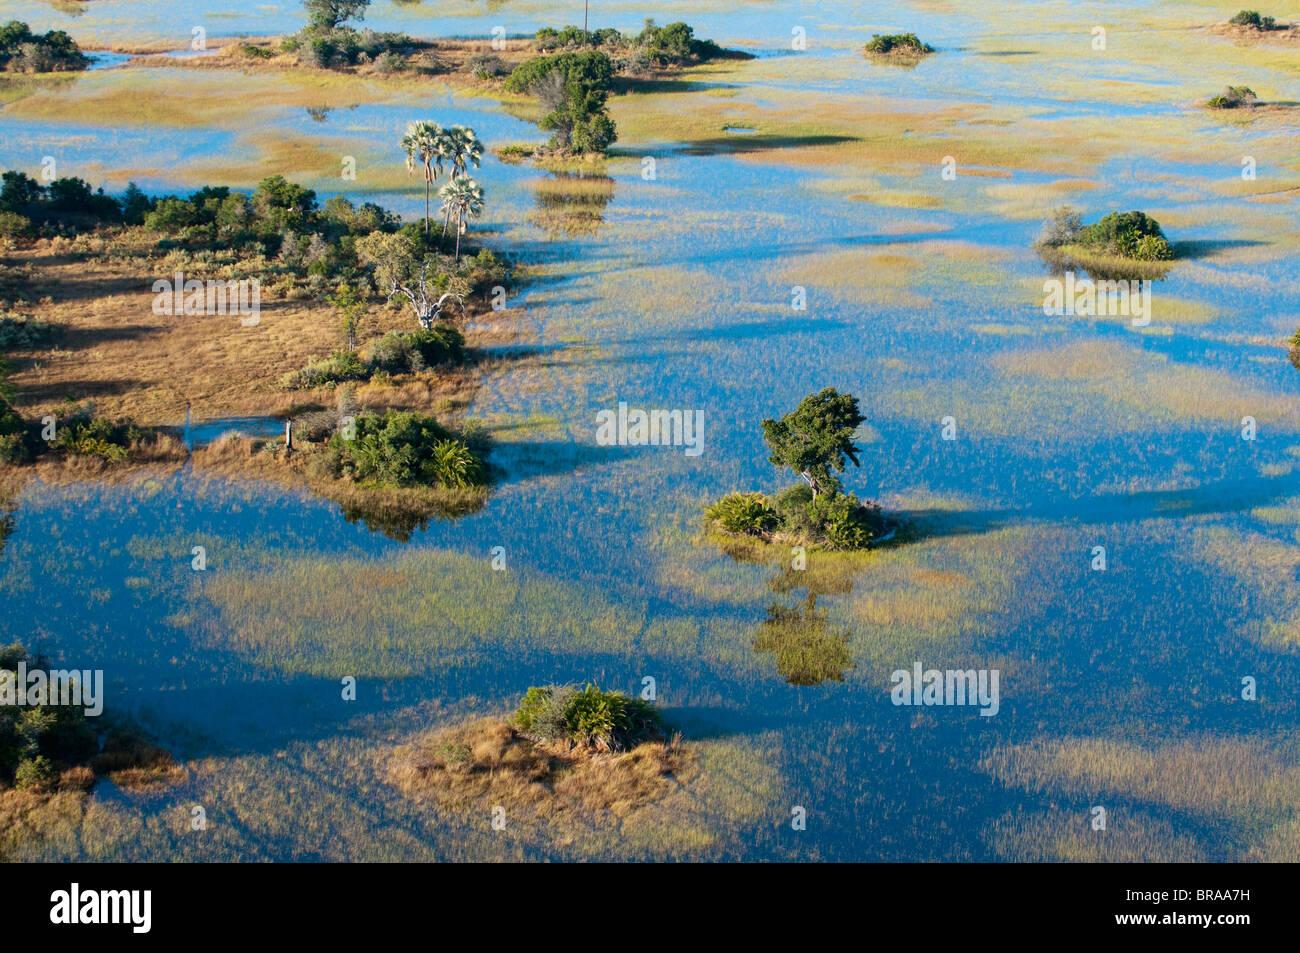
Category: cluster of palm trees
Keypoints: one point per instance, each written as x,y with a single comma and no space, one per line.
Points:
434,149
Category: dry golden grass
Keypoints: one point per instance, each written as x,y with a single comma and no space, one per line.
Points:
28,817
160,453
133,363
486,764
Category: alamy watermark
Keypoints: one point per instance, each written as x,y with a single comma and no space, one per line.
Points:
656,428
951,687
1083,296
176,296
36,687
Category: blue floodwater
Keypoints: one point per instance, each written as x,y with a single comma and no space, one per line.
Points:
681,299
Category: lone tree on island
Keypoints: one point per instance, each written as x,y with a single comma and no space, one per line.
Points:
816,438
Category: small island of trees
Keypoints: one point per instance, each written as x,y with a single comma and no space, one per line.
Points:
816,441
906,47
1119,245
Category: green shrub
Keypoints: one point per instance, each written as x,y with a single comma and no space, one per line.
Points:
573,87
96,437
1234,97
339,367
834,519
1252,19
13,225
35,774
21,333
1122,233
404,448
254,52
14,449
905,43
452,463
842,522
401,352
743,513
33,740
587,717
22,51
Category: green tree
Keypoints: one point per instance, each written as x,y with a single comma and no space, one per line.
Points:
462,148
572,88
331,14
816,438
462,198
425,145
352,307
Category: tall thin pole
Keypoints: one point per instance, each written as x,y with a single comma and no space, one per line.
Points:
584,18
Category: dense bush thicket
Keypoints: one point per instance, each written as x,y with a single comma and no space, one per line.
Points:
403,448
1252,19
837,520
1234,97
654,47
572,88
908,44
76,433
22,51
398,352
37,741
1134,235
587,717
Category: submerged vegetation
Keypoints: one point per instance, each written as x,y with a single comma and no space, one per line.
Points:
815,440
51,753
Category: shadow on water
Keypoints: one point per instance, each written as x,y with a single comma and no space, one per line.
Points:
1224,497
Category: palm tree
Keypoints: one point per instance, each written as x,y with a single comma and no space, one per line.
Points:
425,144
463,198
462,149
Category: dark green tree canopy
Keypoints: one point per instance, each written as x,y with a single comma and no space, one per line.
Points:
573,87
330,14
816,438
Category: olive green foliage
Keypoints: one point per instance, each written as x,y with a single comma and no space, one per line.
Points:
338,368
1252,19
816,441
329,43
572,88
15,442
84,435
587,717
743,513
405,448
22,51
661,46
51,209
36,740
836,519
1234,97
1293,351
400,352
23,333
816,437
906,43
1128,234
